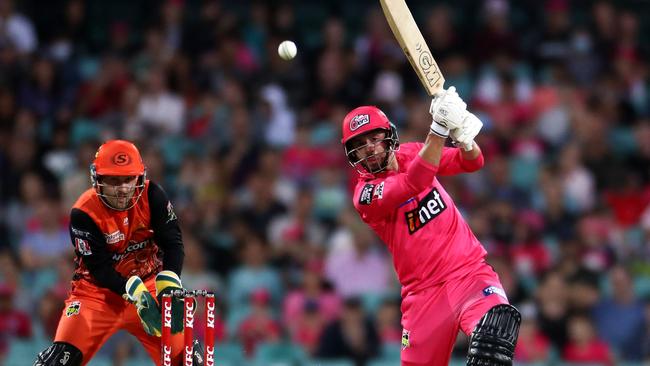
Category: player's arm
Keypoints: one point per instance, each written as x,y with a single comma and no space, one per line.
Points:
380,197
458,160
90,245
167,232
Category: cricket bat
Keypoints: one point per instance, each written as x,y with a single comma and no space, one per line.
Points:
410,38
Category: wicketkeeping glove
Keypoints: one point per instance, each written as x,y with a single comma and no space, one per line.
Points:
448,111
166,282
148,309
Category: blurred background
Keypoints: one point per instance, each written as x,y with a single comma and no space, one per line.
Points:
247,147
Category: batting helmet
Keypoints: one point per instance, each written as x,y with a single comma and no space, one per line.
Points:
362,120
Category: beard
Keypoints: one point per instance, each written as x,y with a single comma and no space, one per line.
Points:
376,163
120,201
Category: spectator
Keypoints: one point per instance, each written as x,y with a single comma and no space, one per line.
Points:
552,304
577,181
584,291
619,318
388,322
353,335
14,323
52,300
44,94
281,120
495,36
253,273
532,346
290,234
259,326
18,28
309,327
159,109
584,347
259,205
646,337
46,238
314,301
530,257
361,268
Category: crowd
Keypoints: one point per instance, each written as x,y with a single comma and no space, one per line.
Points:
247,146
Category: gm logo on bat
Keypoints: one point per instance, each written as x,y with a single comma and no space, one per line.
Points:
427,64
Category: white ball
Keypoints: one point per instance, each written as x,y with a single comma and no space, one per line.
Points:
287,50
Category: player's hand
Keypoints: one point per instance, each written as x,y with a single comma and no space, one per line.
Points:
447,110
166,282
465,134
148,309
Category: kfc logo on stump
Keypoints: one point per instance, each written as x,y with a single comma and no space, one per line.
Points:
209,356
209,319
189,314
189,328
167,356
188,355
210,316
167,314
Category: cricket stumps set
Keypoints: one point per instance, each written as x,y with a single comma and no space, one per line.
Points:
190,302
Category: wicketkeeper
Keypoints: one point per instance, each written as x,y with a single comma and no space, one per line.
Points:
129,252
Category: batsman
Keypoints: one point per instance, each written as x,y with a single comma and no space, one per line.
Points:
129,253
447,285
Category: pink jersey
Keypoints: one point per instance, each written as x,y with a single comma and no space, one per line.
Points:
411,212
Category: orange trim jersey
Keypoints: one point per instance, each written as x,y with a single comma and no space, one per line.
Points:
112,245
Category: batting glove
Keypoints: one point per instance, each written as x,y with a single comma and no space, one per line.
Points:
148,309
465,134
447,110
166,282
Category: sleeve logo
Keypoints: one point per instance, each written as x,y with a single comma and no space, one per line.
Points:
366,194
73,309
406,335
171,215
428,209
494,290
82,246
379,191
80,233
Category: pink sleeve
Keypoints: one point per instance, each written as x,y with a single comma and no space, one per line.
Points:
452,162
379,197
